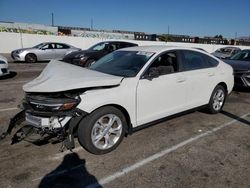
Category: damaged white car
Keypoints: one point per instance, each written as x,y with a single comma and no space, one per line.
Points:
122,92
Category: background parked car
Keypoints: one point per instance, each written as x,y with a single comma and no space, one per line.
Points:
241,65
42,52
87,57
226,52
3,66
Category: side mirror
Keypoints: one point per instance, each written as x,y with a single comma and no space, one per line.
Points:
153,72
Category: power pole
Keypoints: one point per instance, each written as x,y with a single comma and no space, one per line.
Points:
91,24
52,19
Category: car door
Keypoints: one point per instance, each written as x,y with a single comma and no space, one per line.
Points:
201,74
46,52
165,93
61,50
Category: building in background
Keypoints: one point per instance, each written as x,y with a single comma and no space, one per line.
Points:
115,34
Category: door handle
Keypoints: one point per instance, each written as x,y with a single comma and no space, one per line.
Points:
210,74
181,79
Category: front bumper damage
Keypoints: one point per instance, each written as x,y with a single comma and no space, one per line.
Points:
40,126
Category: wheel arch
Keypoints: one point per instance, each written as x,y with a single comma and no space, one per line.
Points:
125,113
32,53
223,84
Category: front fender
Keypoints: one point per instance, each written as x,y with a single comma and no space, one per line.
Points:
123,95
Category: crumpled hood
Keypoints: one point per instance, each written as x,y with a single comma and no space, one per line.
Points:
59,76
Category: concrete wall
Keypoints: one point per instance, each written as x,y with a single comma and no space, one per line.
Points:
12,41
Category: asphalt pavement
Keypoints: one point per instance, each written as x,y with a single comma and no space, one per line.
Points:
194,150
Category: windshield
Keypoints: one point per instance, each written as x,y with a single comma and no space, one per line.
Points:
39,45
225,50
98,47
242,56
122,63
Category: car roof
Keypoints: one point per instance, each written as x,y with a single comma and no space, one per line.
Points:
229,47
116,41
55,43
157,48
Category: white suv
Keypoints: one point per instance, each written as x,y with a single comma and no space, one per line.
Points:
123,91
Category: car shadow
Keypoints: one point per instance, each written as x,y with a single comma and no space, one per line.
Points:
70,173
12,74
228,114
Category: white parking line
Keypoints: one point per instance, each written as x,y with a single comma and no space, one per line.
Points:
8,109
153,157
15,82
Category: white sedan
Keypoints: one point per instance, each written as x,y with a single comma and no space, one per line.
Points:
124,91
3,66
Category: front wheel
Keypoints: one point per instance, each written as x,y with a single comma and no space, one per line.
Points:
30,58
217,100
102,131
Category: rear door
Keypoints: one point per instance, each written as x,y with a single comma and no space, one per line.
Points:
201,74
61,50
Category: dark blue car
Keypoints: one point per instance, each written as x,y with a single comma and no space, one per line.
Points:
241,65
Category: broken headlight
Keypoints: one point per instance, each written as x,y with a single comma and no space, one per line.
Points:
51,104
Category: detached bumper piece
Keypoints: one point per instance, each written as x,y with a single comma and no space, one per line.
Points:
16,120
38,135
47,118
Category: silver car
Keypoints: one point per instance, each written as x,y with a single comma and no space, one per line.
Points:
3,66
42,52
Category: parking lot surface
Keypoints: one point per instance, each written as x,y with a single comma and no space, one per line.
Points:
194,150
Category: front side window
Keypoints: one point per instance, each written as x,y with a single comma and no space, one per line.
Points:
165,63
195,60
122,63
49,46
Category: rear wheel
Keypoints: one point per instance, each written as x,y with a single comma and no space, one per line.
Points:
102,131
30,58
217,99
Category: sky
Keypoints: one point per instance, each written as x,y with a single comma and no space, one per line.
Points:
188,17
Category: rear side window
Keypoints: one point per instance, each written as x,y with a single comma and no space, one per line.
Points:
193,60
61,46
213,62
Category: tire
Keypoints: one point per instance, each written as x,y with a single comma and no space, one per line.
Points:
217,100
96,127
30,58
89,62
